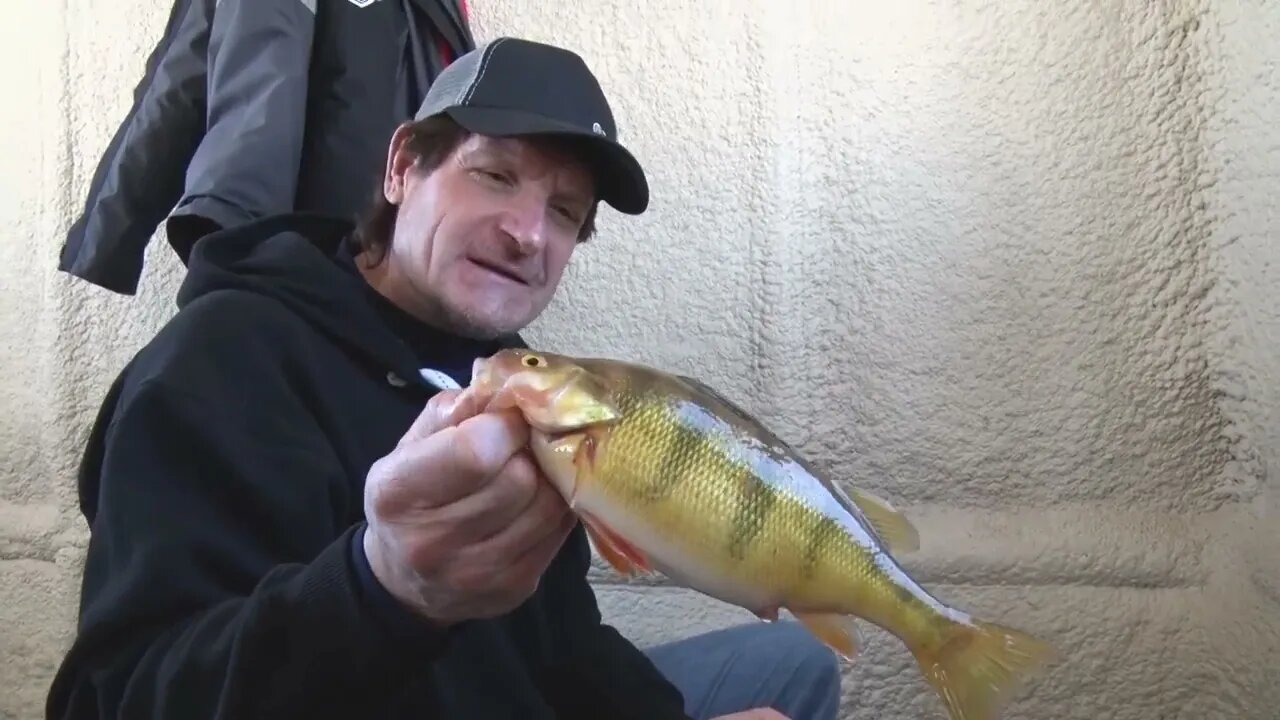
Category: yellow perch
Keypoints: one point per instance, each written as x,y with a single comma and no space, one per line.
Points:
669,476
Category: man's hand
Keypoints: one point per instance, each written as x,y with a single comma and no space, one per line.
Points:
756,714
461,522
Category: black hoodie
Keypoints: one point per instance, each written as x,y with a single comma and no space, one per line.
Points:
222,484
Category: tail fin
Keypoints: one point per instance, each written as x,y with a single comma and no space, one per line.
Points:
980,665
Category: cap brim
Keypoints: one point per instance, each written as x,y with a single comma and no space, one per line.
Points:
619,178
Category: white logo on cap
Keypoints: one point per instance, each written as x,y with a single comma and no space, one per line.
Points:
595,128
362,3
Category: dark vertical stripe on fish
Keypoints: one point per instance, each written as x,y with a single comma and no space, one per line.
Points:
758,498
822,532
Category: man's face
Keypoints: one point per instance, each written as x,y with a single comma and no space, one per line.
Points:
481,243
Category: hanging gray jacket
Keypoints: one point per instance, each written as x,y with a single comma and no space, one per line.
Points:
250,108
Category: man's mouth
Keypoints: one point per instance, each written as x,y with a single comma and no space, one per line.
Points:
505,272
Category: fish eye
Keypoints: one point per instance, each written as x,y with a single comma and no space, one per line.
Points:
531,361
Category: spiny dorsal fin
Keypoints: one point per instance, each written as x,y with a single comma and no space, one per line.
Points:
891,525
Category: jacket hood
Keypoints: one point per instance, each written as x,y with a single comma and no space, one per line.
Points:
301,261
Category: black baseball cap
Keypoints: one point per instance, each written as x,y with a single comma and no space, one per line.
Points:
510,86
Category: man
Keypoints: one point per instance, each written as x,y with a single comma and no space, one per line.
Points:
280,529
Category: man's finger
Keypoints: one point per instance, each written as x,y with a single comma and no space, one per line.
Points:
445,409
535,560
434,416
483,444
494,506
526,547
543,509
449,464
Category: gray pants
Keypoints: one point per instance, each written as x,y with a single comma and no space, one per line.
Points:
778,665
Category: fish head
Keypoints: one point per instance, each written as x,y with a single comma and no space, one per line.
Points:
555,394
568,408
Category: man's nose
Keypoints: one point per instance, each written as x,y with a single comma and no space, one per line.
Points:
526,221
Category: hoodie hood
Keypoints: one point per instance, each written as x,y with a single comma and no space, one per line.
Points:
304,262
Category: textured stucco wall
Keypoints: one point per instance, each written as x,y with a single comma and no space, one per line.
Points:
1013,265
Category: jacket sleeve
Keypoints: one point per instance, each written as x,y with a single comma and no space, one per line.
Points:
596,672
247,164
139,177
220,578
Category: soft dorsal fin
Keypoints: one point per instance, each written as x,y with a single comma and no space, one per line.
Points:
890,524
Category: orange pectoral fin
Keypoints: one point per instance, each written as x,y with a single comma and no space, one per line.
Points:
621,555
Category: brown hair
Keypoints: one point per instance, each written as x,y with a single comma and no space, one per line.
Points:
431,140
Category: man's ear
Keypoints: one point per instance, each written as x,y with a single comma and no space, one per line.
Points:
399,161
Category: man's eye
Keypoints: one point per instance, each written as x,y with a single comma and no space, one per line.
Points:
494,176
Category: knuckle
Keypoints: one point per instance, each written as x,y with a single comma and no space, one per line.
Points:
524,465
522,477
527,585
427,421
531,583
379,470
550,505
441,399
470,579
422,557
486,444
517,430
379,486
440,406
469,451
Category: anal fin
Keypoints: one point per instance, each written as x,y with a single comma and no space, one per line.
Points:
839,632
621,555
889,523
